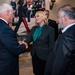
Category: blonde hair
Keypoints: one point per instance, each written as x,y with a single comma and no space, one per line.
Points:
43,16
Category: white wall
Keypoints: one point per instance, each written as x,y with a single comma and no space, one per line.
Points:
57,4
4,1
7,1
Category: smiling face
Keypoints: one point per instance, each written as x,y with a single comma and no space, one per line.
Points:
40,17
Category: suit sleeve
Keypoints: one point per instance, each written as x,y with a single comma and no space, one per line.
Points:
29,37
51,38
63,53
51,55
10,42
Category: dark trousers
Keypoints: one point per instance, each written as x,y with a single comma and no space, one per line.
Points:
33,13
28,16
18,25
38,65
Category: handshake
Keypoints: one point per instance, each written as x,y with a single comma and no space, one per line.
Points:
22,42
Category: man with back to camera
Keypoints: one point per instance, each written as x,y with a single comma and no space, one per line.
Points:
52,23
9,46
61,61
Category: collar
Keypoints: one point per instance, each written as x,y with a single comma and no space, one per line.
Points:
41,26
4,20
67,27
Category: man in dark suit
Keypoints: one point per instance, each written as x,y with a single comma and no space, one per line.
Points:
52,23
62,58
9,46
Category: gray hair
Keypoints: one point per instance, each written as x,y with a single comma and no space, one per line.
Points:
69,11
5,7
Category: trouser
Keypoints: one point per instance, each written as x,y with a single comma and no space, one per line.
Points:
38,65
28,16
25,24
18,25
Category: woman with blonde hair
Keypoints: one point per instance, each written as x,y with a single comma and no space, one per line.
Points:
42,37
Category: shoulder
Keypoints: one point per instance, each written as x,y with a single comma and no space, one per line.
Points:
4,28
49,27
3,25
34,27
52,20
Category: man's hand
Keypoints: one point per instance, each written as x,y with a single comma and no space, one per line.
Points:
22,42
25,44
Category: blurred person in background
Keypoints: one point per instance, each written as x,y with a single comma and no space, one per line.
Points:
29,6
13,4
22,9
52,23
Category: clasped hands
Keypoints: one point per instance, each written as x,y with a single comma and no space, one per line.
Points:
22,42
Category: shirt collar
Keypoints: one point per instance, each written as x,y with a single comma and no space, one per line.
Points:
4,20
67,27
41,26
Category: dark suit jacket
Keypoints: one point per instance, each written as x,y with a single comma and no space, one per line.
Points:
9,50
43,45
54,25
61,61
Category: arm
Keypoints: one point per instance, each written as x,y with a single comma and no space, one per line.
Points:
22,42
29,37
10,43
51,38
